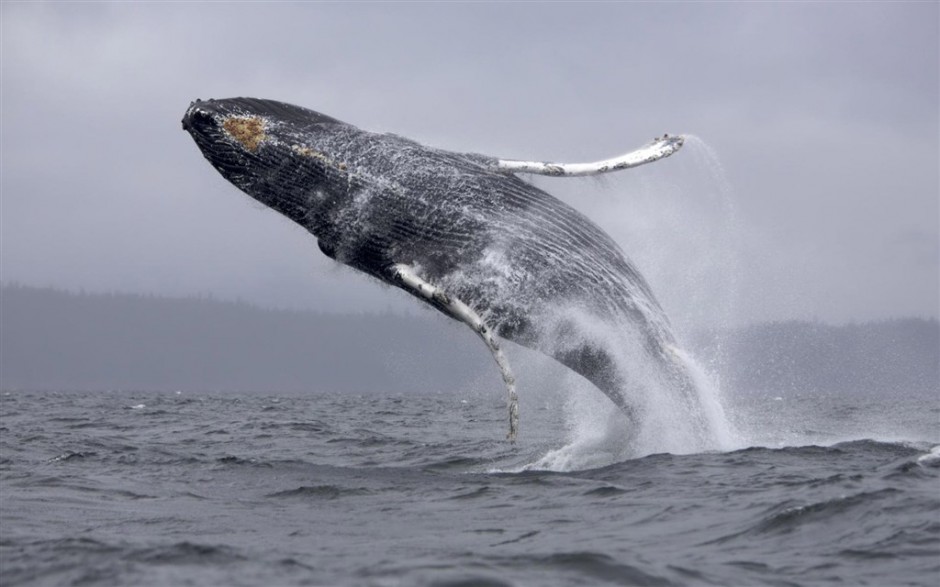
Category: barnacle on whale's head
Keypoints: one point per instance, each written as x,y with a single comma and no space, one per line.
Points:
247,130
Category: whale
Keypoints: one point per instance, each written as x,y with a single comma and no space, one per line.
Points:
463,233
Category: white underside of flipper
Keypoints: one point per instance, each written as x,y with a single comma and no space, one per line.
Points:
658,149
461,311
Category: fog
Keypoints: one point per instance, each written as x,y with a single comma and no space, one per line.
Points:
824,119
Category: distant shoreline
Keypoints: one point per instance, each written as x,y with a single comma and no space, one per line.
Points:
54,339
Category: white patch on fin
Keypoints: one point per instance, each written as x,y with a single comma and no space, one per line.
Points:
658,149
465,314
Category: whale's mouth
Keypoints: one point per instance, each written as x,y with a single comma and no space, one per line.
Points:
269,110
198,117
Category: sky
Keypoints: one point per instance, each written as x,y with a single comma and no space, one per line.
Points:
810,188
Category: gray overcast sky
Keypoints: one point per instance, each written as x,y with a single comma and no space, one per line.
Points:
824,117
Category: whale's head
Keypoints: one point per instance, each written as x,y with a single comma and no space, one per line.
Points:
266,149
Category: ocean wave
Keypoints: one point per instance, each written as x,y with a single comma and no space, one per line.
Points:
320,492
590,566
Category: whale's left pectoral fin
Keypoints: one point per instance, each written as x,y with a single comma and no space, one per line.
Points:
660,148
461,311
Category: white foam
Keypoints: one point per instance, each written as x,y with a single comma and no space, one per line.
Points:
668,419
931,458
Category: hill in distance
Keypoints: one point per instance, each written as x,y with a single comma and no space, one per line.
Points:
50,339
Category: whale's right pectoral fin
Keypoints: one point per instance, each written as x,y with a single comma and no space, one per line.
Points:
660,148
461,311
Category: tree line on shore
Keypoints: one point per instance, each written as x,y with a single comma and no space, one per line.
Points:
51,339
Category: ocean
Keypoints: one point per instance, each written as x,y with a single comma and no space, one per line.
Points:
146,488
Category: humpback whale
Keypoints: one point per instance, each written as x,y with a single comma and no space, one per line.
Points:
461,232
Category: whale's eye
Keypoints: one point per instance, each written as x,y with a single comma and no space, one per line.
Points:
247,130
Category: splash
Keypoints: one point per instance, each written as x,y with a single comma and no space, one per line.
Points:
695,274
667,418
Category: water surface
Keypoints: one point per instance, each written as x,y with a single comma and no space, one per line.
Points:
124,488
